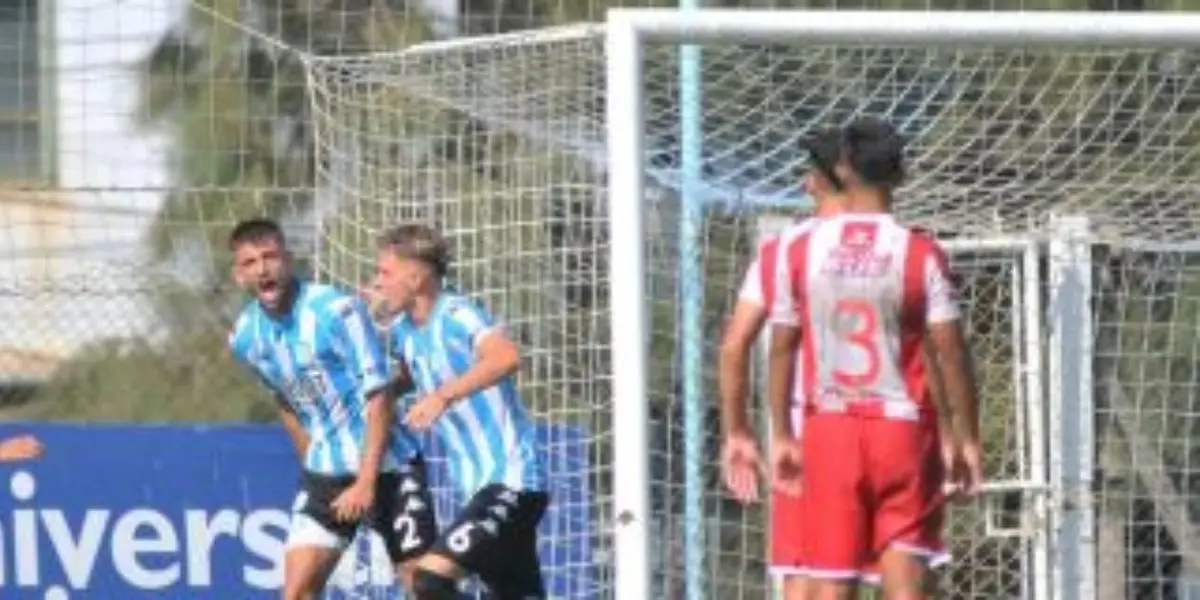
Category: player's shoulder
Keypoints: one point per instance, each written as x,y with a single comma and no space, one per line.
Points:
801,227
245,325
328,301
454,300
922,239
400,325
457,306
797,232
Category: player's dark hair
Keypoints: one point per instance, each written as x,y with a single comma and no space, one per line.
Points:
254,230
824,152
874,151
417,241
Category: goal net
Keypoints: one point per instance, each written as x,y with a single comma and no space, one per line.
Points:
1062,176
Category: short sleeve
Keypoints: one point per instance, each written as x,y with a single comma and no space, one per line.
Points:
752,288
758,284
239,338
357,335
941,296
471,321
789,262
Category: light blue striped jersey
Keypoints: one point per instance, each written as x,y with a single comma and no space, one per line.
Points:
489,435
323,359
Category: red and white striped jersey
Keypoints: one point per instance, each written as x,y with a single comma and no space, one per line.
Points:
863,289
759,284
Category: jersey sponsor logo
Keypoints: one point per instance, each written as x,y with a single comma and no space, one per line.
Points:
854,263
307,389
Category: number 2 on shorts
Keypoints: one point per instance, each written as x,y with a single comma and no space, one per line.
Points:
864,335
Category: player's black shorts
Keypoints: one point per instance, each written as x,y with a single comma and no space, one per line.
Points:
403,514
495,537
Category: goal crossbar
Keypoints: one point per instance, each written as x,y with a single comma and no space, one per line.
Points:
627,31
1059,29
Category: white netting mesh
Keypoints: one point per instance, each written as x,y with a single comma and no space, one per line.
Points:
134,134
501,142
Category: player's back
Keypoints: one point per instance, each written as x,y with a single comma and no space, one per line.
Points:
323,358
863,286
761,280
489,433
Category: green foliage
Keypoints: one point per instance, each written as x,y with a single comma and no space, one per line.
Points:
527,220
190,380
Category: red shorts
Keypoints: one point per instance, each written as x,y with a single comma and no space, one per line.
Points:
787,548
869,484
787,512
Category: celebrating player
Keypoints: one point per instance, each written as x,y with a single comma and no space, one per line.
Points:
463,366
866,291
317,349
740,459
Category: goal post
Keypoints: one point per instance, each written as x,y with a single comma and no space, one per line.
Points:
1047,150
627,35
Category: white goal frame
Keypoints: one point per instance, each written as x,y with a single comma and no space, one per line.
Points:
627,31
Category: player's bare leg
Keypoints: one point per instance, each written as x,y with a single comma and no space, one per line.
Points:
905,575
833,590
436,577
405,572
795,587
306,569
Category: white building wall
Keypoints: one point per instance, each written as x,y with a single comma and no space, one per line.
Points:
69,260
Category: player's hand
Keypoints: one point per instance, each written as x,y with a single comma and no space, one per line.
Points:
740,466
966,470
787,465
424,412
354,502
23,447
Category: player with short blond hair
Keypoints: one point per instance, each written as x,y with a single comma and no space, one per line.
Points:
463,367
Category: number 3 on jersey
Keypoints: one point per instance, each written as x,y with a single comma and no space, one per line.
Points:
858,325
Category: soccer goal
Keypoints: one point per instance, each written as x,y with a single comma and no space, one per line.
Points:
604,193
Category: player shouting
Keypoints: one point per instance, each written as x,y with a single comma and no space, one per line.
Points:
463,367
740,459
317,349
866,291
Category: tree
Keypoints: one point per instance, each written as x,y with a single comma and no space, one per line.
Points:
236,109
528,209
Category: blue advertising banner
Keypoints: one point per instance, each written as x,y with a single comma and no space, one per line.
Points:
127,512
